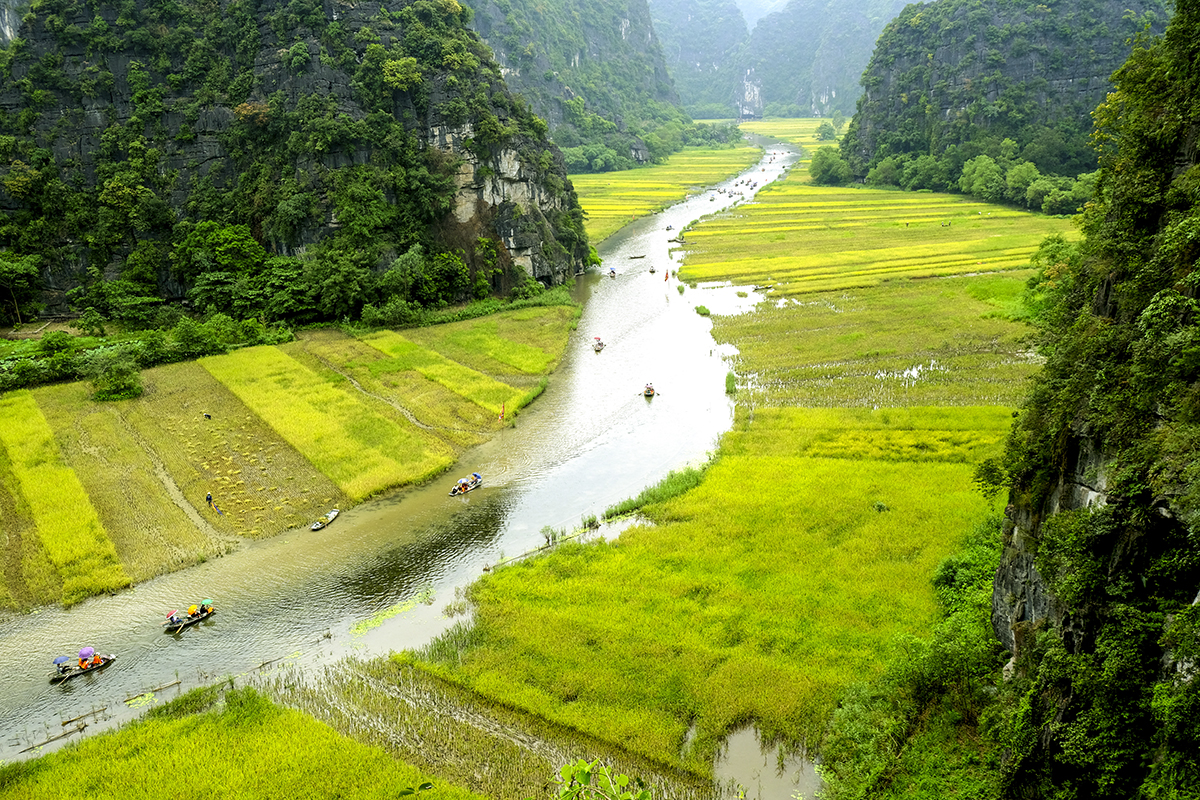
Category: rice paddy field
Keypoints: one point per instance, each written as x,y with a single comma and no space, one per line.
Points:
799,130
758,596
880,367
612,199
242,747
95,496
798,239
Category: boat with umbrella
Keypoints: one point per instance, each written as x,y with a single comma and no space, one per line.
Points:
195,613
597,345
65,667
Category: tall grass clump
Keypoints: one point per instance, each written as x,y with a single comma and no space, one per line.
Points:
245,747
730,382
674,484
360,448
66,522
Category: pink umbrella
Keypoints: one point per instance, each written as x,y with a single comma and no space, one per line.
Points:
87,652
172,613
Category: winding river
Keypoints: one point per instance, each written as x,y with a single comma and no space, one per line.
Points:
378,579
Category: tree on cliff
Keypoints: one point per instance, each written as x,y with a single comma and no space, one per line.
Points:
1108,705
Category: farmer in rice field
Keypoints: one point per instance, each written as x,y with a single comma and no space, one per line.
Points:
208,499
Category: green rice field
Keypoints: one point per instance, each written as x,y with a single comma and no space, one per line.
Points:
472,385
249,748
613,199
798,239
779,580
64,518
94,496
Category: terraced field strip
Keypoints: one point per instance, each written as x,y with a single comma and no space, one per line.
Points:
612,199
801,131
529,341
151,533
800,238
66,522
480,389
27,578
349,439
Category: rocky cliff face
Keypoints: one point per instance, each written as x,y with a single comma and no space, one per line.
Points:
951,71
324,126
602,51
702,42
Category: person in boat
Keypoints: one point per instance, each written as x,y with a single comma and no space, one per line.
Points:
83,662
97,660
193,610
205,608
63,667
476,477
462,485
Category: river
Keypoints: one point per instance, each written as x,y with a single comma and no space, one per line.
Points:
379,577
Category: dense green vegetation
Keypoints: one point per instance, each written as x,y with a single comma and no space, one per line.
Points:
954,80
190,154
1103,696
222,742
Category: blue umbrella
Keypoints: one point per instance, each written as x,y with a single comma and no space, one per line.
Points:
62,659
87,652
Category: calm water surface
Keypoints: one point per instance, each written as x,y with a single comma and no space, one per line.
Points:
313,597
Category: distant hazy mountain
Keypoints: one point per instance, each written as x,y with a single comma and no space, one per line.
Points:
702,43
754,10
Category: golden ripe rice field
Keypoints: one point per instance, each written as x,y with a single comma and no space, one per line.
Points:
799,239
801,131
612,199
357,444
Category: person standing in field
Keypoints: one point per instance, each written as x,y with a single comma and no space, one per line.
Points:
208,499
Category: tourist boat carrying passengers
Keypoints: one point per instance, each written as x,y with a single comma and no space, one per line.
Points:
65,669
649,390
195,613
325,520
465,485
597,345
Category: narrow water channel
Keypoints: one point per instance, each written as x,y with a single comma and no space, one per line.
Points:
378,579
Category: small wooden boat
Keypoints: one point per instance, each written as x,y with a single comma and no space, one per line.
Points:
74,670
643,255
651,268
177,624
325,520
649,390
597,345
467,485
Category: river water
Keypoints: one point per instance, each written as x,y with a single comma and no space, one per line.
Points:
379,578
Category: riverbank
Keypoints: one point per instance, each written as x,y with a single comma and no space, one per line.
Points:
99,496
616,198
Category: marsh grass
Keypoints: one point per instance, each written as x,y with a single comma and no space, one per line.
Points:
759,595
938,342
65,520
151,533
612,199
244,747
801,239
360,448
483,391
463,737
674,484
